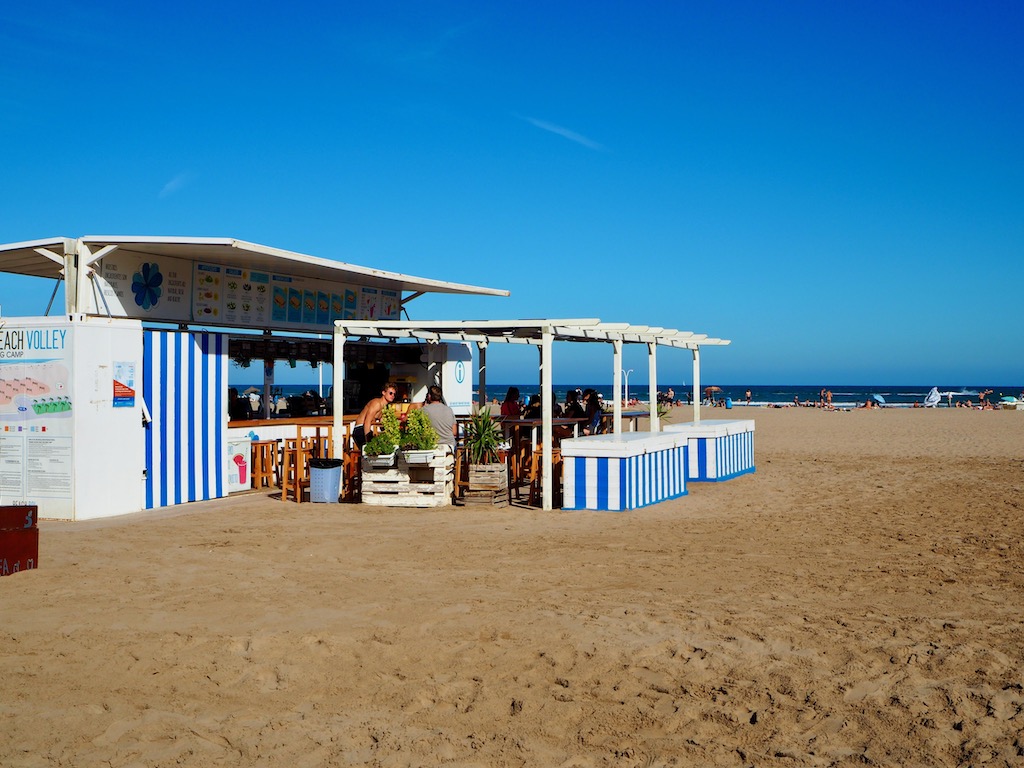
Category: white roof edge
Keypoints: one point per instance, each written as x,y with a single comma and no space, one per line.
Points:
36,243
301,258
582,329
357,269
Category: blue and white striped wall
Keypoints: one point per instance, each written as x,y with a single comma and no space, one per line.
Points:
718,450
184,385
617,484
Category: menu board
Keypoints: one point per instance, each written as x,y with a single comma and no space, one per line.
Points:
159,288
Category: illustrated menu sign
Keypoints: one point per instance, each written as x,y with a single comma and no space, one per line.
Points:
158,288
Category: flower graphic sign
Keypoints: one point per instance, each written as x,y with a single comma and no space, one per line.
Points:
146,285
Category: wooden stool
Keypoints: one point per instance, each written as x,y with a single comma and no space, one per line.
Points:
351,475
537,477
461,471
264,463
295,472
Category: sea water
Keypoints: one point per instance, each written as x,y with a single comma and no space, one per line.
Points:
843,396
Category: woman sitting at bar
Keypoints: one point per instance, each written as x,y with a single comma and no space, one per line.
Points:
594,413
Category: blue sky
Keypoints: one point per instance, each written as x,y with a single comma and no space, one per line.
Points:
838,188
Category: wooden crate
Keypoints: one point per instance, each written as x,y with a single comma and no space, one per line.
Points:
488,484
488,477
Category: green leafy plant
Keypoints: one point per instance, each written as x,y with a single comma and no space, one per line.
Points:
387,439
418,433
483,436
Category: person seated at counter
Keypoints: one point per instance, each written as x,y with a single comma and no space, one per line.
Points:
510,409
573,409
593,412
238,408
441,417
533,409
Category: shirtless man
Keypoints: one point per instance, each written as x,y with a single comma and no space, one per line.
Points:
370,413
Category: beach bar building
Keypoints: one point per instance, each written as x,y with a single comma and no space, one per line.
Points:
115,400
616,471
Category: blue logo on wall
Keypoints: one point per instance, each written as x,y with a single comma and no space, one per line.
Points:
460,372
146,285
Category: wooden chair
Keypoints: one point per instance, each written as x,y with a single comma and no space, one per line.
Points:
537,477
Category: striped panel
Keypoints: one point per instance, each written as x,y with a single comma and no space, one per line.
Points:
721,458
615,484
184,384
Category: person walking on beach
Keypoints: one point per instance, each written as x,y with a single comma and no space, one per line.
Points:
370,413
748,397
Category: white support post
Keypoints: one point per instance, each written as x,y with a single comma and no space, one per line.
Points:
616,381
696,383
76,253
338,396
546,383
652,373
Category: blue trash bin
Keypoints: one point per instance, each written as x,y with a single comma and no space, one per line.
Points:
728,402
324,480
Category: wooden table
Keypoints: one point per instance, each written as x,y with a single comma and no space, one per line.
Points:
632,416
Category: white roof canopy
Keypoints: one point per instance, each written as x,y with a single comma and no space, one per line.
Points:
45,258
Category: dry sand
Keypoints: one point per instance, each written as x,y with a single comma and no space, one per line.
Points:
860,599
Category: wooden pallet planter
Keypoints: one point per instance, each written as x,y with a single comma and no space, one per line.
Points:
410,485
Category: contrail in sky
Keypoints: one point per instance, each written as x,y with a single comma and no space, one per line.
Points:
565,133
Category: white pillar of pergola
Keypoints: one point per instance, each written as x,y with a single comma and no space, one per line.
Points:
546,377
616,382
652,373
338,395
696,383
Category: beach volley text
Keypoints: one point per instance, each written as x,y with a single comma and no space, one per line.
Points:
17,343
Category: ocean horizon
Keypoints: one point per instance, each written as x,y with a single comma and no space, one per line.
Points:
843,395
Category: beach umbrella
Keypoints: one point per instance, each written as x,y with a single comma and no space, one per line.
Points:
1008,399
712,389
251,390
879,399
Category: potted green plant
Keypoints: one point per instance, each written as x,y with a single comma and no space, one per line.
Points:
418,438
380,449
483,442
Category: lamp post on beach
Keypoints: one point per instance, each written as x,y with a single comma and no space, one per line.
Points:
625,375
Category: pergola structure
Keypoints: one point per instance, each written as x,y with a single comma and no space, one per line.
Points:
539,333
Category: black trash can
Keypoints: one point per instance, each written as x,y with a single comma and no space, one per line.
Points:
324,480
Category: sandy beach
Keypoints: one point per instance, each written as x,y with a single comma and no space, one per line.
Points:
858,600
